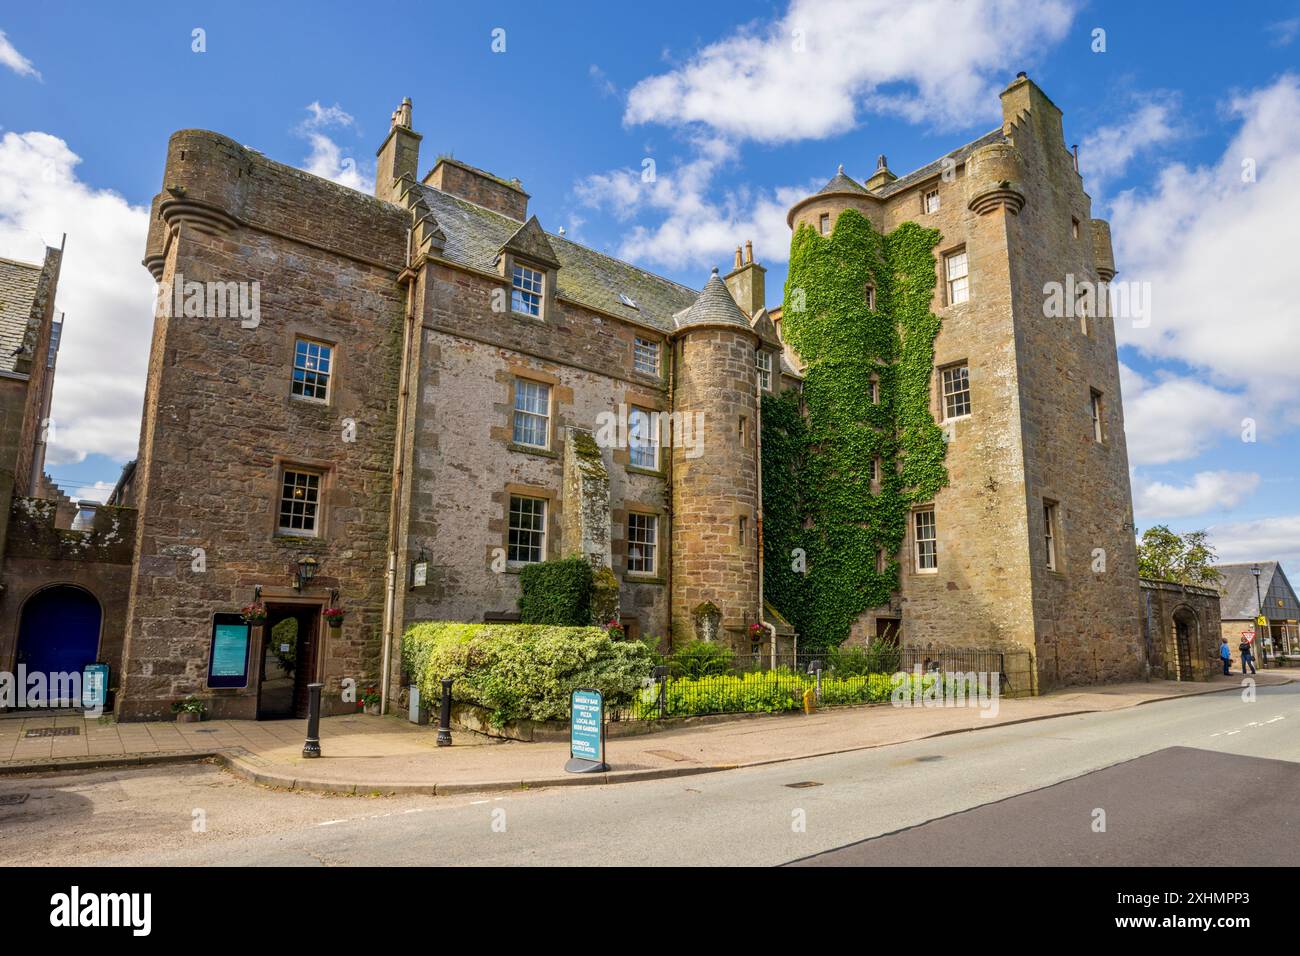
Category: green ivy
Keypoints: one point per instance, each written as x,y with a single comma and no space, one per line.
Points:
817,493
556,592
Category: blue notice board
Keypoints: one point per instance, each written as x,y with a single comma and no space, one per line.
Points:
228,661
587,727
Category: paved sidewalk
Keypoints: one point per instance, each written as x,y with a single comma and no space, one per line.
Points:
365,754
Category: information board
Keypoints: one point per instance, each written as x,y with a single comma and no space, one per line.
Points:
94,686
586,731
228,660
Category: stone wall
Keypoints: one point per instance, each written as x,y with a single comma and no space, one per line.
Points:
220,421
1164,605
41,555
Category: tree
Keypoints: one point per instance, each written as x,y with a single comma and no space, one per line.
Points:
1164,555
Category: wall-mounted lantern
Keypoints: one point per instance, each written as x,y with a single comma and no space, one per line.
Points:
307,566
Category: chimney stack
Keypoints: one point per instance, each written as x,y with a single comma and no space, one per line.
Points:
399,155
746,282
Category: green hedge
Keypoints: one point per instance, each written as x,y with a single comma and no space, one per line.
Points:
768,692
556,592
522,671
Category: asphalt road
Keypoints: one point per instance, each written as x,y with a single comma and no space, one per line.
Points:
200,815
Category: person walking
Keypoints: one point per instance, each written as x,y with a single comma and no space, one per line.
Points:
1225,655
1247,658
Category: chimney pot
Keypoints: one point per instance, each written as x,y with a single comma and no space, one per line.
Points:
749,251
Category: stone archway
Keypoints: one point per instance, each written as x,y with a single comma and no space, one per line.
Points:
1182,642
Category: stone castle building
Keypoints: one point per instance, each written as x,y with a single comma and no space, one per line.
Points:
392,403
1031,544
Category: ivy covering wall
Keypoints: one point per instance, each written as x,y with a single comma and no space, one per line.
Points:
817,462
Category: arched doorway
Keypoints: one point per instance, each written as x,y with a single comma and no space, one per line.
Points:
1186,636
58,632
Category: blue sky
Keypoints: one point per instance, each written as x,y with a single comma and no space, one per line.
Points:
740,114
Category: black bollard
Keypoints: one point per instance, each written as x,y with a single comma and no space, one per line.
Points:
311,748
444,716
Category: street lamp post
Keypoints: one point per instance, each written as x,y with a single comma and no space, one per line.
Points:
1259,603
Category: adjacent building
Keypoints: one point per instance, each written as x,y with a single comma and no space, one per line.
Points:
1259,589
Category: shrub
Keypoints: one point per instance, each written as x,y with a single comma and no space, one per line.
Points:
556,592
700,659
522,671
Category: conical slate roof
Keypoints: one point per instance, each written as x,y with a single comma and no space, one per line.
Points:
841,183
715,306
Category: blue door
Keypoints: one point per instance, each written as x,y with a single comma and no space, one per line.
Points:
59,631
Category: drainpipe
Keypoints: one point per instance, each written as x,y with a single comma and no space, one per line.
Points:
758,469
670,489
399,472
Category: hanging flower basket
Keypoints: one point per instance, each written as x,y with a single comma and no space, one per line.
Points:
614,629
254,613
333,616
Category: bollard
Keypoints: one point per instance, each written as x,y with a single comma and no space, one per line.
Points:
311,747
444,717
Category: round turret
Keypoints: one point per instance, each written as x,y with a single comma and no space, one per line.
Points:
714,469
841,193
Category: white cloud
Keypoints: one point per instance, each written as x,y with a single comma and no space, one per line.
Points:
808,74
1107,152
692,228
600,79
1259,539
99,491
106,295
1218,254
1207,491
10,57
327,158
1284,31
1174,418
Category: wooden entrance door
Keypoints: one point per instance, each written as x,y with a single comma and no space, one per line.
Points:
288,660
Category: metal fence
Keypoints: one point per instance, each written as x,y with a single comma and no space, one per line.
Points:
719,683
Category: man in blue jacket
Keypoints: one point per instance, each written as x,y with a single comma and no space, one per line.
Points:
1225,655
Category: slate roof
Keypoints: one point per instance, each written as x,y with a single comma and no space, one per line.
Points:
840,183
935,168
715,306
18,285
474,236
1237,598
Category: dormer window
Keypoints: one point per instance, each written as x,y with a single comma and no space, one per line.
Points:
526,291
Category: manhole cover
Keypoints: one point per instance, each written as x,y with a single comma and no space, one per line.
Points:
803,783
12,799
54,732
